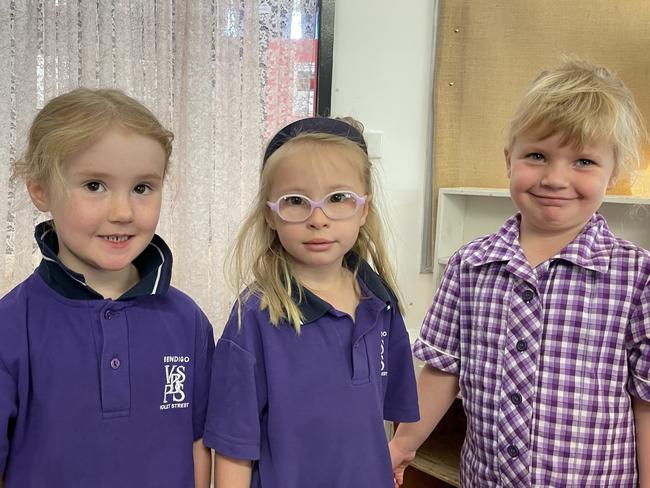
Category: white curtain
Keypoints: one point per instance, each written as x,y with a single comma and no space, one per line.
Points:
221,74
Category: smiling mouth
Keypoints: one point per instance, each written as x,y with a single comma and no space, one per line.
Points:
552,198
116,238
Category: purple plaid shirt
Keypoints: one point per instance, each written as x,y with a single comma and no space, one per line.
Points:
547,358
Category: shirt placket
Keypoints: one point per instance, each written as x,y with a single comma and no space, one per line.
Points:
367,320
114,361
518,383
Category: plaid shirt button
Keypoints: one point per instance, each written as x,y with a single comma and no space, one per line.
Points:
522,346
512,451
527,295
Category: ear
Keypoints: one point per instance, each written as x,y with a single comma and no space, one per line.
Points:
268,216
613,179
39,193
364,210
506,153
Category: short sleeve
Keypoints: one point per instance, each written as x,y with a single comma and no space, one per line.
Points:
8,412
202,372
237,394
401,397
439,341
639,348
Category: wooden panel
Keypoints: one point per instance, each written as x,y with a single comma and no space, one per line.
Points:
439,456
489,52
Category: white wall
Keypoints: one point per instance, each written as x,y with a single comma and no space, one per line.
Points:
382,77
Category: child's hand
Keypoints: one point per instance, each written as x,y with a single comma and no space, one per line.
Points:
400,459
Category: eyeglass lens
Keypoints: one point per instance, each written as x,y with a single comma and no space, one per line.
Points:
337,205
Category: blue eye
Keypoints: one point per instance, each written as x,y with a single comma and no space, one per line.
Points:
584,163
536,156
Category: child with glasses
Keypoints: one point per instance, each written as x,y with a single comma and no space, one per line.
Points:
315,355
104,367
545,325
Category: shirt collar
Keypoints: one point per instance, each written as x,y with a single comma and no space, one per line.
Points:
313,308
590,249
154,265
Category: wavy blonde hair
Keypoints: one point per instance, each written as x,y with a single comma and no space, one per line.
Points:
585,103
259,264
69,122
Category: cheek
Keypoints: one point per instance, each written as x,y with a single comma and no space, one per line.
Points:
595,187
73,210
522,178
285,234
150,214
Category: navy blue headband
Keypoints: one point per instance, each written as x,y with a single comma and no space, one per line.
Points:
314,124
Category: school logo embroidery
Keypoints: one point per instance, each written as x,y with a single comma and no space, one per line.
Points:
175,376
381,354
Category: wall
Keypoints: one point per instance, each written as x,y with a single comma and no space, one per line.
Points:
382,76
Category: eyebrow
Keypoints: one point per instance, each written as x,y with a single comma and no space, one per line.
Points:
328,190
100,175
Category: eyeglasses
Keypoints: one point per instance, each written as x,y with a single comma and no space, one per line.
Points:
337,205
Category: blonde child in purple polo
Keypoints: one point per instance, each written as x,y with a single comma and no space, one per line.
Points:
315,355
104,367
544,326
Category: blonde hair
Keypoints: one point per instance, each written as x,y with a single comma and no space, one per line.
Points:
260,265
585,103
69,122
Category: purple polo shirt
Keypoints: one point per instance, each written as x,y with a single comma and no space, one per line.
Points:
101,393
548,359
309,408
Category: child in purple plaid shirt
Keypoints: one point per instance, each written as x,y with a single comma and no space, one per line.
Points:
544,326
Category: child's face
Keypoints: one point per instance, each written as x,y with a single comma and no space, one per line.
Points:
558,188
319,243
108,208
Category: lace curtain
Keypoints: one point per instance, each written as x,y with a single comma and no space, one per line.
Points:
221,74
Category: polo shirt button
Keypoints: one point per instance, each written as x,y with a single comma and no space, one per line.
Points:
388,307
512,451
115,363
522,346
108,315
527,295
516,398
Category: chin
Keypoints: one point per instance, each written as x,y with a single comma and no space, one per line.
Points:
114,266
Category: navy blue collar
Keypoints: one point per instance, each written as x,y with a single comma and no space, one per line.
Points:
154,265
312,307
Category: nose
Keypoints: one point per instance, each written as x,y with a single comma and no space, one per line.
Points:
318,219
121,208
555,175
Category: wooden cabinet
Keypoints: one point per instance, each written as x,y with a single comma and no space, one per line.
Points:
463,215
436,464
437,461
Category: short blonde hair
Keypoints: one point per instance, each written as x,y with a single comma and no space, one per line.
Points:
585,103
69,122
258,261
